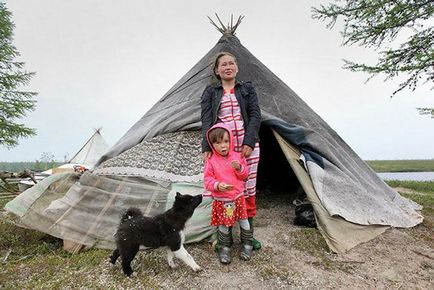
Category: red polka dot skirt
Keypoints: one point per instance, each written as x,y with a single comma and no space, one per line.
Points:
227,213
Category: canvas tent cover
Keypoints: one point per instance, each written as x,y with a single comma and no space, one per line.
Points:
160,155
88,155
91,151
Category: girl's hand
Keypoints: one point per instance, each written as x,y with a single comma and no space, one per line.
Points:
246,151
206,155
225,187
236,165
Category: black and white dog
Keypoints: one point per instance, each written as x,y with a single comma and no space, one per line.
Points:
161,230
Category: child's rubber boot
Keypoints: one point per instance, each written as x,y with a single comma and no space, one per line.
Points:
217,245
246,244
224,247
256,244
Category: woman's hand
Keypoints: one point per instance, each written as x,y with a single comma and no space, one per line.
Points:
246,151
206,155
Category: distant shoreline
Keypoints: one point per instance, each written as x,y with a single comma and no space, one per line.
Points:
417,165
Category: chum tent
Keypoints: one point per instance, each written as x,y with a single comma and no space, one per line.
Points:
92,150
161,154
88,155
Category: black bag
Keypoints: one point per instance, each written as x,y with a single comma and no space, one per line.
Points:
304,215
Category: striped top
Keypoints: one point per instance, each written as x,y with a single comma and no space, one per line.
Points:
230,114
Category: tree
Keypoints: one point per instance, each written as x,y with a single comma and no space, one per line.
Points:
426,111
45,162
14,103
401,31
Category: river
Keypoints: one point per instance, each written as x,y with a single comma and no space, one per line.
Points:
414,176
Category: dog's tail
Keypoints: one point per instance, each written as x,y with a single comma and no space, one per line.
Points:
130,213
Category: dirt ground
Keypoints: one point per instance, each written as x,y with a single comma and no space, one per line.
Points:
292,257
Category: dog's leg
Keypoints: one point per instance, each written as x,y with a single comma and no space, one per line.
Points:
182,236
114,256
127,256
184,256
170,256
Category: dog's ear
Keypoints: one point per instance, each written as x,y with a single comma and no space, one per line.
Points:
178,195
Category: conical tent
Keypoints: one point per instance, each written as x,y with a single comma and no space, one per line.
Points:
91,151
87,156
161,154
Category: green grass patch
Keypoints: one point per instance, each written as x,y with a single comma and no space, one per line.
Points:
30,259
423,194
401,165
419,186
271,272
316,243
4,200
265,267
53,270
310,241
23,243
427,201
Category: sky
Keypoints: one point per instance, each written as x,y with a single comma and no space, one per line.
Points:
105,63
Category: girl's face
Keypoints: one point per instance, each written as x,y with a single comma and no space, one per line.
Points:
222,145
227,68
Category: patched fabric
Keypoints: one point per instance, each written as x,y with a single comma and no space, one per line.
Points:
173,156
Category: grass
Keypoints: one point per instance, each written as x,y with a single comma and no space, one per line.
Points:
272,272
423,194
53,269
316,247
401,165
36,260
419,186
37,257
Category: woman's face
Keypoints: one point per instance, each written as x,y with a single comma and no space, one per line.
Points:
227,68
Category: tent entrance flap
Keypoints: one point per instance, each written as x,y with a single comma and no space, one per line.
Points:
339,234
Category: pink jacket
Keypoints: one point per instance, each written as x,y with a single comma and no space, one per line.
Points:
218,169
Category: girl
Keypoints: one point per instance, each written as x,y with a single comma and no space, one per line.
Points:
234,103
224,176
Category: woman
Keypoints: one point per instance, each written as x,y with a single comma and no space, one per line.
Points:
234,103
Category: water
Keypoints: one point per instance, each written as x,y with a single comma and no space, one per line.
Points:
413,176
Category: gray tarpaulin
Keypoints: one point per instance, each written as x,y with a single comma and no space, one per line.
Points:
88,211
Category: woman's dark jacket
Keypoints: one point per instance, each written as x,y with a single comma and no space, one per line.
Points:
250,111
